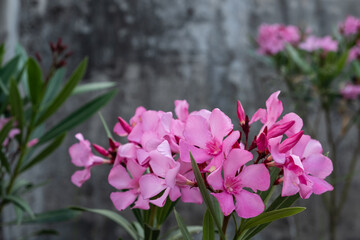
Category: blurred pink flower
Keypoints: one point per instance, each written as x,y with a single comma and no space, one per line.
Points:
350,91
313,43
273,38
350,26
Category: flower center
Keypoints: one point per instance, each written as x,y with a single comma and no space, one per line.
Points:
232,185
213,147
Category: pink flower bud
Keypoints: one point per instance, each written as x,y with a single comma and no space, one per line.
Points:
290,142
280,129
240,113
262,142
32,142
124,125
101,150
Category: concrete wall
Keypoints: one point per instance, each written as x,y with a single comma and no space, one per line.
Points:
158,51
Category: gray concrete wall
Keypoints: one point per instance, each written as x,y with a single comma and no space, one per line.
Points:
158,51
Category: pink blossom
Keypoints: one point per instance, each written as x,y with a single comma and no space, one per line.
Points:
82,156
273,38
13,132
350,26
256,177
204,138
129,184
312,43
350,91
354,52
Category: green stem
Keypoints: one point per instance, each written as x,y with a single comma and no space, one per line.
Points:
225,223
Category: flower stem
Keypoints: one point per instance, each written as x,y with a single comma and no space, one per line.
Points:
225,223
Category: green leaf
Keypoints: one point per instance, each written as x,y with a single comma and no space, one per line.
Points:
185,233
9,70
268,217
44,153
295,56
274,173
278,203
78,116
4,161
164,212
4,132
208,226
84,88
206,196
16,104
340,64
108,133
356,67
2,53
3,88
53,86
19,214
20,203
151,233
176,235
65,92
60,215
35,81
113,216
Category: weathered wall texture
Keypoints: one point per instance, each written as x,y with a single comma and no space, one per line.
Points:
158,51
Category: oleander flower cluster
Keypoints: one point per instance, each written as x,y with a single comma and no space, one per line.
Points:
320,52
154,163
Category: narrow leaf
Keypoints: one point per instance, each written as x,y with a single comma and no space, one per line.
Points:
84,88
65,92
113,216
208,226
19,214
294,55
2,53
35,81
206,196
4,132
44,153
176,234
185,233
108,133
4,161
53,86
16,104
78,116
9,70
268,217
20,203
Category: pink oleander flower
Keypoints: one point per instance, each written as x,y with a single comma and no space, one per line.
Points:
350,26
236,177
204,138
82,156
350,91
128,180
13,132
312,43
304,165
354,52
273,38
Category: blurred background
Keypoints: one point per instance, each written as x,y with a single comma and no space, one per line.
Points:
159,51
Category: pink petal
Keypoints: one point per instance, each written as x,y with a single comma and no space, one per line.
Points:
313,147
151,185
135,169
81,176
171,174
136,118
142,156
191,195
320,186
150,141
200,155
215,180
226,202
236,158
274,107
220,124
197,131
136,133
150,120
161,200
174,193
127,150
290,184
122,200
119,178
256,177
164,149
290,142
248,204
160,164
299,148
274,145
215,163
296,127
259,114
181,109
142,203
80,154
229,142
318,165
